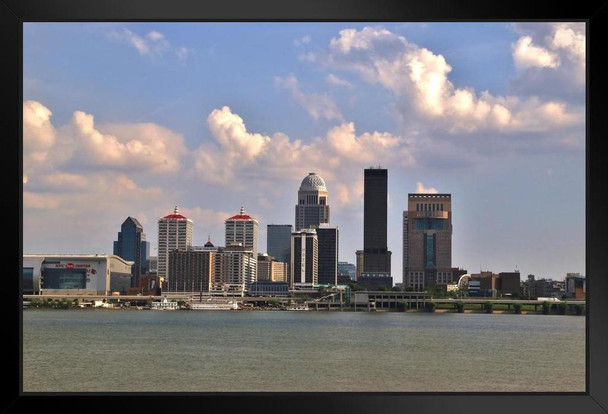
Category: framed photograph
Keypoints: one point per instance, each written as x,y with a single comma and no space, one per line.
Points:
426,181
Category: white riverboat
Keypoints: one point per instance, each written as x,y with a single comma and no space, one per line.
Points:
164,305
214,305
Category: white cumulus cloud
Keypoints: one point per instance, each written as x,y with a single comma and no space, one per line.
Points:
143,146
550,54
304,40
39,134
317,105
571,39
526,55
154,43
336,80
230,131
420,188
238,157
419,78
367,147
80,164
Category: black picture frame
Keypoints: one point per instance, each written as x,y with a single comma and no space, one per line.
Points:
13,13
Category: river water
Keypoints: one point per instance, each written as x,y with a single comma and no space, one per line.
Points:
210,351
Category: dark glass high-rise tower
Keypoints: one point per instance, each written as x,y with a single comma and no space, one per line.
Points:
376,256
278,241
132,245
328,254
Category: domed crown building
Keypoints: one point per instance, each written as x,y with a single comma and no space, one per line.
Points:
313,202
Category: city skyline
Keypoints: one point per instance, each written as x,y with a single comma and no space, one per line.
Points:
195,116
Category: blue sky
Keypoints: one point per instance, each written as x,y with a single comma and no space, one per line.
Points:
130,119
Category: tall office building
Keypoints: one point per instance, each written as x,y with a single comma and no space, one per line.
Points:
191,270
313,203
427,241
304,267
242,229
174,232
132,246
238,260
235,270
278,242
376,256
328,254
270,270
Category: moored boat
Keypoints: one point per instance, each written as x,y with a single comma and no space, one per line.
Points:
164,305
214,305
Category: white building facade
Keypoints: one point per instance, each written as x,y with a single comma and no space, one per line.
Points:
234,271
242,229
174,232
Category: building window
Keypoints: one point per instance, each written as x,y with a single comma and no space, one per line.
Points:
430,251
429,224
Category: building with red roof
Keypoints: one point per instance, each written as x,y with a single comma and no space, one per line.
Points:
242,228
175,231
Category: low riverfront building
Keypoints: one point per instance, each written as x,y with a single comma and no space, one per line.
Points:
77,274
389,300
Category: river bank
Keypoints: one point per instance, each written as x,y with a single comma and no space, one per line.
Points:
283,309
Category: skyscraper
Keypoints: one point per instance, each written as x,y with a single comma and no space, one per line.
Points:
132,246
427,240
238,260
313,203
235,270
328,254
242,229
304,258
191,270
376,256
278,241
270,270
174,232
